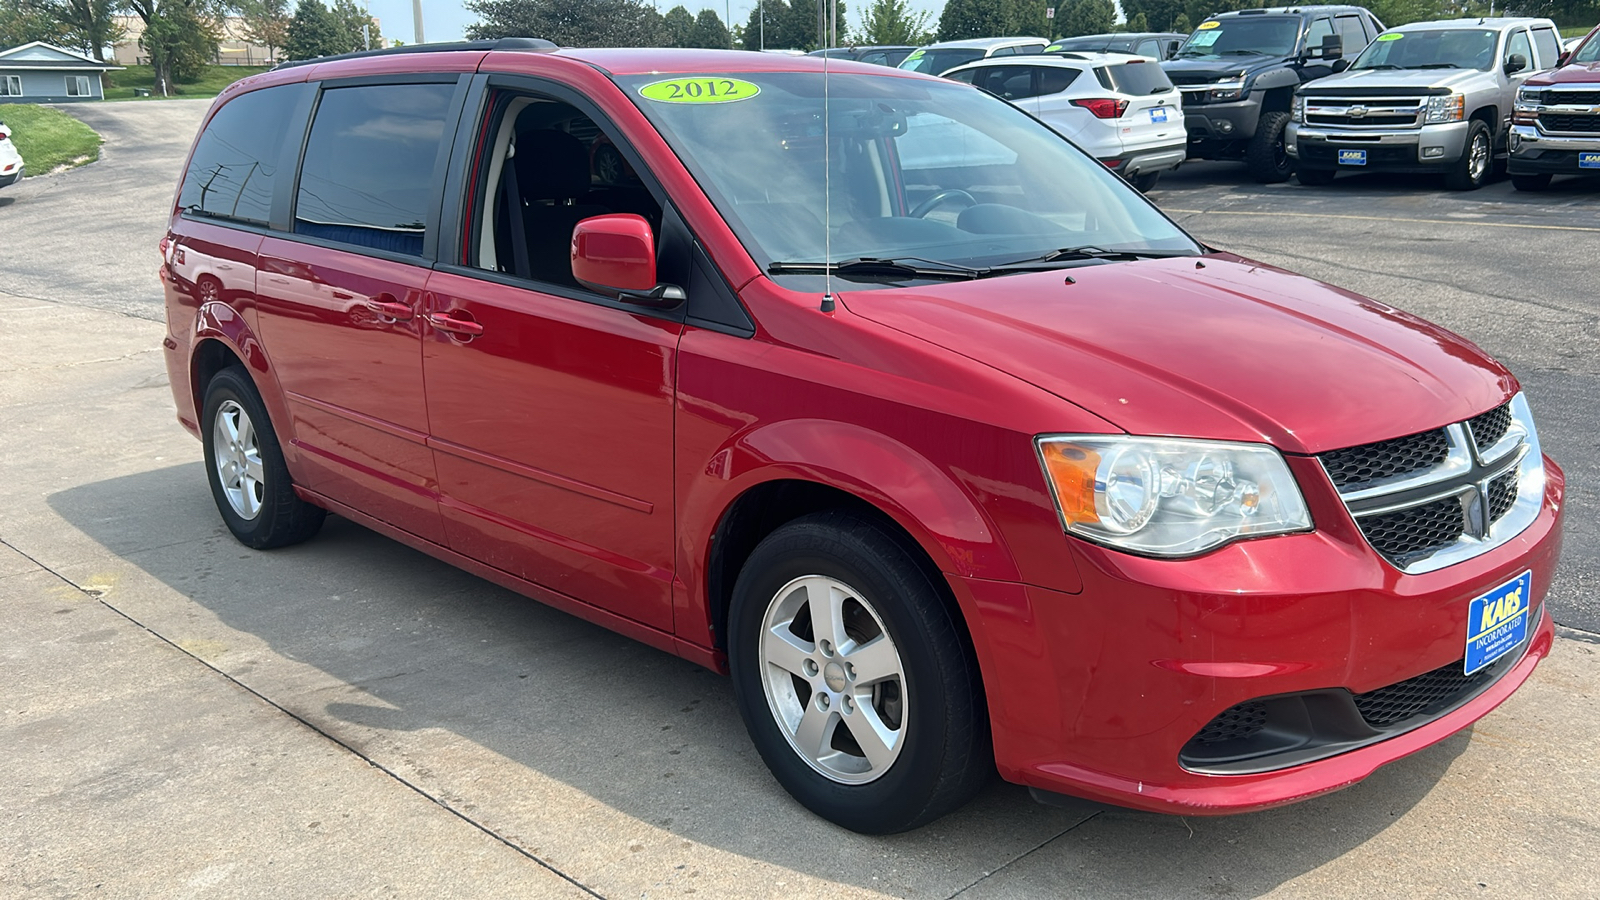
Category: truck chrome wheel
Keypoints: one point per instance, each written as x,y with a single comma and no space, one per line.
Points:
236,454
1478,163
833,679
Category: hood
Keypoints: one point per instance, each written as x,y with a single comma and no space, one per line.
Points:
1583,73
1390,81
1233,351
1201,71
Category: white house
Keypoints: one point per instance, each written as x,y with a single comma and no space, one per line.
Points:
44,73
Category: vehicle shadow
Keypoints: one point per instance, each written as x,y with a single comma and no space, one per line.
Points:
7,201
418,665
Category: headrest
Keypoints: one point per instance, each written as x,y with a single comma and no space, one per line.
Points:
551,165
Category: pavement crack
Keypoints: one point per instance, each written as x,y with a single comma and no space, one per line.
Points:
1024,854
98,596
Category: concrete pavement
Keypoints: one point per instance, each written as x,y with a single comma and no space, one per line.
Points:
182,716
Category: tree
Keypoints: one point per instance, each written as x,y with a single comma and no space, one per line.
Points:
86,25
266,22
1029,17
893,22
25,21
357,30
791,25
313,32
180,36
1181,24
975,18
591,23
679,27
709,32
1079,17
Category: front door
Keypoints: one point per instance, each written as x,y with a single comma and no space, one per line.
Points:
551,407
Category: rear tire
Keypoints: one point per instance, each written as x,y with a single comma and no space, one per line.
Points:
1477,160
1266,158
881,728
1314,177
245,467
1537,181
1145,182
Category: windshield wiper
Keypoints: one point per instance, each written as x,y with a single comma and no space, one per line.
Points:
1079,254
1435,66
1377,66
898,267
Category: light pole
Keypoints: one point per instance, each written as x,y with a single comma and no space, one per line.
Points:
416,20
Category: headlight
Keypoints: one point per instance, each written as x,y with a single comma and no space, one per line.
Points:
1226,90
1168,497
1446,108
1526,97
1297,109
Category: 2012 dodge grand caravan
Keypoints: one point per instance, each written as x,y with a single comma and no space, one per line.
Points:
870,390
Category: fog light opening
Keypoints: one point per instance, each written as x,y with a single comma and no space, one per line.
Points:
1432,152
1225,127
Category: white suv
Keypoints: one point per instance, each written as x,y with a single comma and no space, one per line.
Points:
10,159
1119,108
937,59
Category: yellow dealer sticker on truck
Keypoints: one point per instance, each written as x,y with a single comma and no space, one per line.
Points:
1206,25
699,90
1391,36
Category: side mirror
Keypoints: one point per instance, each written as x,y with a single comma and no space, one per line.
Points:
1332,46
1339,65
616,255
1515,63
1563,59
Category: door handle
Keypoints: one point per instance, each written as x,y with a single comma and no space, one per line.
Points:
400,312
454,323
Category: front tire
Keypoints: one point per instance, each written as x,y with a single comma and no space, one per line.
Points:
245,467
853,677
1266,157
1476,162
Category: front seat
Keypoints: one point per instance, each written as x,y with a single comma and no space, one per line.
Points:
552,173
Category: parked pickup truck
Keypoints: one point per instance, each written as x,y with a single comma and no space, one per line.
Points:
1430,97
1239,70
1556,125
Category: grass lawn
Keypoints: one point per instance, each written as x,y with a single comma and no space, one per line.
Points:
120,85
47,138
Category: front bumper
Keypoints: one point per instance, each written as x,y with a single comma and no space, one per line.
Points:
1095,695
1533,152
1426,149
1231,121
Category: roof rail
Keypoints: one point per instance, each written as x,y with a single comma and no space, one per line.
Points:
536,45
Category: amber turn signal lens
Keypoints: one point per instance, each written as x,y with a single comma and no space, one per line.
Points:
1072,470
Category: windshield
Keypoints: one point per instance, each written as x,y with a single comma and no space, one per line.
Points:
938,62
935,171
1456,48
1243,36
1589,52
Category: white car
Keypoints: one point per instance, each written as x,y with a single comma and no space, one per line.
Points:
10,160
1119,108
937,59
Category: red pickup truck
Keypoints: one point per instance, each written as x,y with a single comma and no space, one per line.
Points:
1556,126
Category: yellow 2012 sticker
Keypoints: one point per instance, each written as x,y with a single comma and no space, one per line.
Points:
1208,25
1391,36
700,89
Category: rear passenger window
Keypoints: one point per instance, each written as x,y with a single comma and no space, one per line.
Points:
1549,48
235,163
371,163
1009,82
1353,39
1054,80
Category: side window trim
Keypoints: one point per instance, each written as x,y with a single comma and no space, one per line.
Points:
432,221
464,181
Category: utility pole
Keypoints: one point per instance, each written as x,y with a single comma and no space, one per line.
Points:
416,19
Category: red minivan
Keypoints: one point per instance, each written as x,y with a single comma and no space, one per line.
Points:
870,390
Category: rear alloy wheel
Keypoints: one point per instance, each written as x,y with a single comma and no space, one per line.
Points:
1538,181
854,681
1266,156
1314,177
245,467
1476,162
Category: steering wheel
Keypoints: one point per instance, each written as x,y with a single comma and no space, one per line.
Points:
927,206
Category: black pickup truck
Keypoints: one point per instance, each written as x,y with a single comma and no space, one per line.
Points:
1238,72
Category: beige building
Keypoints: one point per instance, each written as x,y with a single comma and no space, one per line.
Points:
233,50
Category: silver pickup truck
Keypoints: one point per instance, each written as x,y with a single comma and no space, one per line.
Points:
1429,97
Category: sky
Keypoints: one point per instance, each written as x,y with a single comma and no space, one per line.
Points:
447,20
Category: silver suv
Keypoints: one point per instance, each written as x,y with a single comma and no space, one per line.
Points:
1429,97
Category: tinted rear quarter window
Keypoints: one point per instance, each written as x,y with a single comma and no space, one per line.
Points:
1549,48
368,177
235,163
1054,80
1352,39
1138,78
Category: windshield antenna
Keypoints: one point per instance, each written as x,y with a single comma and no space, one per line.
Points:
827,182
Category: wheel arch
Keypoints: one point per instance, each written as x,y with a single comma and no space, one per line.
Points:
223,338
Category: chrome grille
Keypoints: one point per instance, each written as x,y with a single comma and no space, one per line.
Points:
1429,500
1364,112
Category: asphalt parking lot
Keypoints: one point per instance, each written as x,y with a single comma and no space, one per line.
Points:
183,717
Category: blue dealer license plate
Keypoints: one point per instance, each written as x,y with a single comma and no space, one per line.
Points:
1352,157
1498,621
1588,160
1159,114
